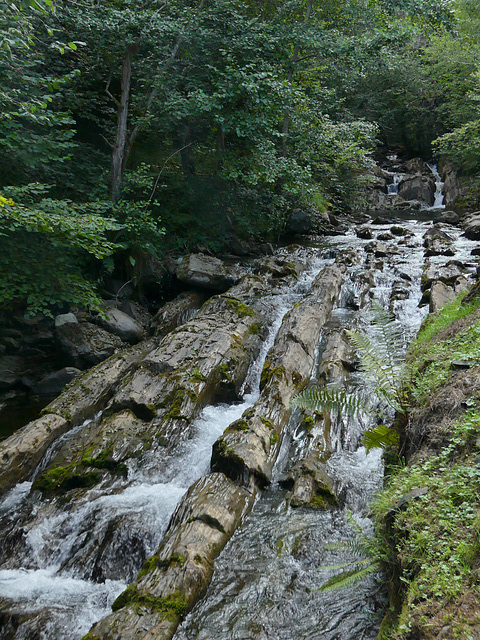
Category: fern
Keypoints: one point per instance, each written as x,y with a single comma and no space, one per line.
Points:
349,578
380,437
369,557
329,399
381,360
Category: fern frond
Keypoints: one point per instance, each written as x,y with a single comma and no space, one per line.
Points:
357,547
316,398
390,331
374,362
349,578
379,437
354,563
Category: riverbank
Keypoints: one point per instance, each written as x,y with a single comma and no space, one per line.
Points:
428,513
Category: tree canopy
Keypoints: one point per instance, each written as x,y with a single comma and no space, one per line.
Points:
132,129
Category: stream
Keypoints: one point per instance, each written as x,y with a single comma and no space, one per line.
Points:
64,562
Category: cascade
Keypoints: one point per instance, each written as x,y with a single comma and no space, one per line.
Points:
65,561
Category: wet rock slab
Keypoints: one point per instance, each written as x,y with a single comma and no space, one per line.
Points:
178,574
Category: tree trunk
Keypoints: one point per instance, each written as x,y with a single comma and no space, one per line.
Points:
188,165
119,156
293,63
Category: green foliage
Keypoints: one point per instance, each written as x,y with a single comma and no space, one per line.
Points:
382,361
369,556
329,399
436,535
431,356
48,248
380,437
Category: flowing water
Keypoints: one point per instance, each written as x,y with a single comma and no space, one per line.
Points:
266,582
64,563
75,559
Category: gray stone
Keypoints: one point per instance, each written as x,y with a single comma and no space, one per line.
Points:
207,272
364,232
472,226
55,382
452,187
121,325
177,312
440,295
438,243
300,222
66,318
247,455
449,217
84,345
417,187
21,452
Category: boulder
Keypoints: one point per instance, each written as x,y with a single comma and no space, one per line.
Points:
451,188
21,452
177,576
207,272
84,345
364,232
168,383
177,312
417,165
300,222
441,293
437,243
122,325
55,382
449,217
312,486
247,450
471,225
65,318
278,267
418,187
445,273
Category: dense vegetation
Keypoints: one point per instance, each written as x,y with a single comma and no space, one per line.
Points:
131,129
427,515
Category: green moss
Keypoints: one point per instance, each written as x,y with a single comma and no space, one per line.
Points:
241,309
172,607
224,373
274,438
154,562
267,422
197,376
175,411
198,559
221,451
239,425
269,372
104,460
308,423
322,499
254,328
297,380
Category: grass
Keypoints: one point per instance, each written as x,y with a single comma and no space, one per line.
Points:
430,356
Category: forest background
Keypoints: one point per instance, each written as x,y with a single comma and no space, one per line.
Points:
133,130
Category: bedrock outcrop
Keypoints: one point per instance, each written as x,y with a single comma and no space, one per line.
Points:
178,574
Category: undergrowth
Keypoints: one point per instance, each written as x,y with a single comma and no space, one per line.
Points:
435,536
